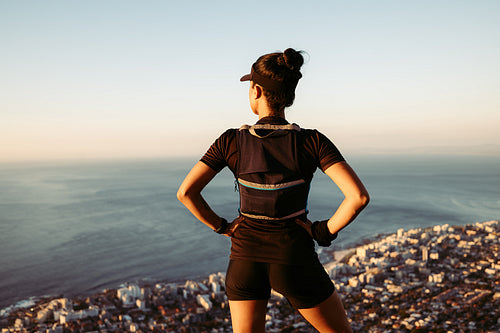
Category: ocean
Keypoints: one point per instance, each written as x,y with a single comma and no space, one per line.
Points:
76,228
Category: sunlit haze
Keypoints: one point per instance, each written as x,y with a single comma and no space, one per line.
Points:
139,79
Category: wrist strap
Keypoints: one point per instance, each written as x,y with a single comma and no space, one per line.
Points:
321,234
222,228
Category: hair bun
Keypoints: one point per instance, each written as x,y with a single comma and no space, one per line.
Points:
292,59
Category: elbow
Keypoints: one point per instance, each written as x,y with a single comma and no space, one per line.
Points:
182,194
363,199
186,194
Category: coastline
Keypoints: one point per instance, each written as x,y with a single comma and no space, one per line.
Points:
456,267
338,256
87,217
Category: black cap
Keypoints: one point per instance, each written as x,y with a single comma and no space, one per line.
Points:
263,81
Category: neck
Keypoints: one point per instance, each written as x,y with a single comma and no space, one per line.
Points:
259,105
270,113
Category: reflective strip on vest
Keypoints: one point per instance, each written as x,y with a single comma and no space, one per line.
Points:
252,129
271,187
262,217
281,200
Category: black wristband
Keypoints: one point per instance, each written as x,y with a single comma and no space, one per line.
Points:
321,234
222,228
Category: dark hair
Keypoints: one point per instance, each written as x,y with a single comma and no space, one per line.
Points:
285,68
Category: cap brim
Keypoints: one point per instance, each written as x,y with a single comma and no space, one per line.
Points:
247,77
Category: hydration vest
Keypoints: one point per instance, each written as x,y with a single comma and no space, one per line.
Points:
269,178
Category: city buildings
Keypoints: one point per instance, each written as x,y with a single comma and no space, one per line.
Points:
440,279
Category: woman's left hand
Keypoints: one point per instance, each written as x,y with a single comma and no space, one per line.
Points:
305,224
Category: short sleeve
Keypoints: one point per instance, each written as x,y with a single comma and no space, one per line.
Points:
221,151
328,153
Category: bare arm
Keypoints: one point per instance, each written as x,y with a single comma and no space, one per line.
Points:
356,195
189,194
356,198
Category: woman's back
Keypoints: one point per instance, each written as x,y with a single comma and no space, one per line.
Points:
272,239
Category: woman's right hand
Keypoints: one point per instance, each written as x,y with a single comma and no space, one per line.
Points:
231,227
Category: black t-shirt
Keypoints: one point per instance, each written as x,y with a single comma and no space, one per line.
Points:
317,150
282,242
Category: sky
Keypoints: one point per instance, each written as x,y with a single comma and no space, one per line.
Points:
144,79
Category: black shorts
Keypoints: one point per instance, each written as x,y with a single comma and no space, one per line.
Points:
305,286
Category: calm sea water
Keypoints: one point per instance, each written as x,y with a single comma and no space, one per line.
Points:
77,228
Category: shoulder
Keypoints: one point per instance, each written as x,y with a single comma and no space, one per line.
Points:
226,142
313,138
229,132
227,136
321,148
313,134
309,131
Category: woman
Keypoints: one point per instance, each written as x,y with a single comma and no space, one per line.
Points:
272,241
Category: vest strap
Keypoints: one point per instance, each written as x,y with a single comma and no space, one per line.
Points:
267,218
252,129
282,199
271,187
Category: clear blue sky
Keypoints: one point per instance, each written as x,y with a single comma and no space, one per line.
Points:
112,79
